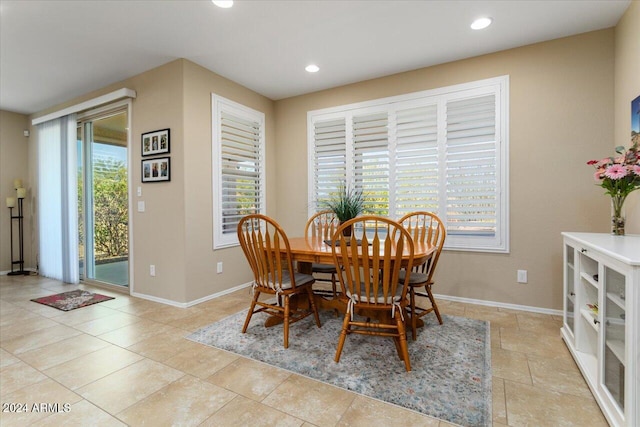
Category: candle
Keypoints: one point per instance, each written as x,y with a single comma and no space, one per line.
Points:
11,202
22,192
17,183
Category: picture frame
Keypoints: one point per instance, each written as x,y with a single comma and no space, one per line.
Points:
156,142
635,120
156,170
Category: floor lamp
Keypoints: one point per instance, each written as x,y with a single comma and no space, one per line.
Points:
11,204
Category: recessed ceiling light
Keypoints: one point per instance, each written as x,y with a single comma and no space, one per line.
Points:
225,4
312,68
481,23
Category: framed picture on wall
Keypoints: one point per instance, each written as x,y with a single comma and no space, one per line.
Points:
635,120
156,170
156,142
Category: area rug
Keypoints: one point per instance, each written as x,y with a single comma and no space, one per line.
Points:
451,363
71,300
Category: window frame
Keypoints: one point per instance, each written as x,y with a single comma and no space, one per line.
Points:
498,86
220,105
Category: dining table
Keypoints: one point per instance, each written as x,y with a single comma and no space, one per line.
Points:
308,250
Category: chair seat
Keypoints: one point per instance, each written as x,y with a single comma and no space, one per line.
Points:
323,268
415,278
379,299
300,278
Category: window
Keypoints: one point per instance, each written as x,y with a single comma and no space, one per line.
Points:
238,167
443,151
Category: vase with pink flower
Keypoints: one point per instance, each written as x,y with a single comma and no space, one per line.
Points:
619,176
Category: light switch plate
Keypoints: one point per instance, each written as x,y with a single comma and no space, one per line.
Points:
141,206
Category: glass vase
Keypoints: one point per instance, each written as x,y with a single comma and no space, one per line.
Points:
617,216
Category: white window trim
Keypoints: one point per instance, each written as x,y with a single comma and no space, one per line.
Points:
500,243
219,105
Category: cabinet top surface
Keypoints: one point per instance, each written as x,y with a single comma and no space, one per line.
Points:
622,248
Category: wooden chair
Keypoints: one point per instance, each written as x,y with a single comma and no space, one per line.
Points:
322,226
369,262
266,246
423,227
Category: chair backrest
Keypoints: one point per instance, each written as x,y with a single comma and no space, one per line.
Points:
371,258
322,225
266,246
426,227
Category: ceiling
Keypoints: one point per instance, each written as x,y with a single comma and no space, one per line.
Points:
53,51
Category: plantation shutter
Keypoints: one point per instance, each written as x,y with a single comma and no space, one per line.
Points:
371,160
330,157
443,151
471,166
416,165
239,167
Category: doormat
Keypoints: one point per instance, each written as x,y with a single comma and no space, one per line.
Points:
451,363
71,300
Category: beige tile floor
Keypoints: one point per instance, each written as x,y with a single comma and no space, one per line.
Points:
125,362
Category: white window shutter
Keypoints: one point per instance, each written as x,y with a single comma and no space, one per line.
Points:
443,151
371,160
471,166
330,158
416,165
239,167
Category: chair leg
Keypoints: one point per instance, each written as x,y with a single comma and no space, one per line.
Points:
286,321
343,336
250,313
433,303
312,304
414,315
403,342
333,285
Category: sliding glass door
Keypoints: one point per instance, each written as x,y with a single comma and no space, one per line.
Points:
103,216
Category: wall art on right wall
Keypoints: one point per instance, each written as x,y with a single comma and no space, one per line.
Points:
635,120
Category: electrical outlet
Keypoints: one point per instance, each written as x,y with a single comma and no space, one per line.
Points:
522,276
219,270
152,270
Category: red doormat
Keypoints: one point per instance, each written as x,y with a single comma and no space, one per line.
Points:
71,300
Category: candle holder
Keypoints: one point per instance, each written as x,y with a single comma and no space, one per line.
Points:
20,218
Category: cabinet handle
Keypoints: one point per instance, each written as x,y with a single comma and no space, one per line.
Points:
573,294
583,250
595,321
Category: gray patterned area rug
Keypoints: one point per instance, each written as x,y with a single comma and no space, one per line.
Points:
451,363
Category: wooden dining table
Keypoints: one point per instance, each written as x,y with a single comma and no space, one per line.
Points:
308,250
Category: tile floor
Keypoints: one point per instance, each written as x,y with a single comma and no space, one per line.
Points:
125,362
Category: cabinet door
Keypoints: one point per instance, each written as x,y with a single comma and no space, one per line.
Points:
613,330
569,292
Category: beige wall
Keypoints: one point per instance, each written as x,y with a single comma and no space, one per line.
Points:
201,259
14,155
175,231
561,115
627,88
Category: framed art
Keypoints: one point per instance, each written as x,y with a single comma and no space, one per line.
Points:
156,170
635,120
156,142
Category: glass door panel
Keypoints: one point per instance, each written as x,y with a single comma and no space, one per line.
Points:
614,335
103,199
570,275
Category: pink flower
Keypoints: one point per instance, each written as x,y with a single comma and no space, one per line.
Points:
603,162
592,162
598,175
636,169
620,160
615,172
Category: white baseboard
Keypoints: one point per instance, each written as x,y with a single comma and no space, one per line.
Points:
190,303
499,304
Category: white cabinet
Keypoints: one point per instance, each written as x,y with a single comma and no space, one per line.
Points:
601,324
